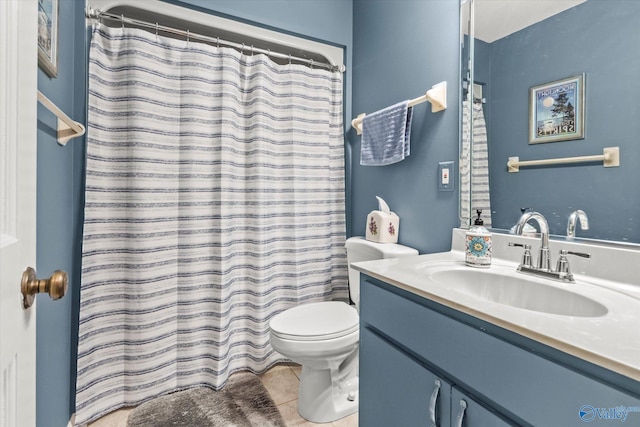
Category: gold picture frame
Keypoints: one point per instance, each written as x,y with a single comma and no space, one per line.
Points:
48,36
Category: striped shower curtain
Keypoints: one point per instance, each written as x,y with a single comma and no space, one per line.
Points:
474,167
214,200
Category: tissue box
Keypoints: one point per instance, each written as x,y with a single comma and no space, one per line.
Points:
382,227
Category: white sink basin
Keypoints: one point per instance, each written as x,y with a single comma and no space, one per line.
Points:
595,319
519,290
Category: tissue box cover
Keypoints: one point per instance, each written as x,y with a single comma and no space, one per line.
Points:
382,227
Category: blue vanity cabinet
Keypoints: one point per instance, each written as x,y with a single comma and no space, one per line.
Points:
467,412
407,342
402,392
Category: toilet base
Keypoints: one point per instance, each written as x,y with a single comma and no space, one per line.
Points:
326,395
328,387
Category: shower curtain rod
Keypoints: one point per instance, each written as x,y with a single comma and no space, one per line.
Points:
99,15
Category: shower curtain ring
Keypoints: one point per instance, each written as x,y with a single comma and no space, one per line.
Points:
187,36
251,50
156,31
242,49
218,42
312,64
289,59
122,20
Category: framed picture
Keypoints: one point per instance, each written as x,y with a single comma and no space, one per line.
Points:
556,110
48,36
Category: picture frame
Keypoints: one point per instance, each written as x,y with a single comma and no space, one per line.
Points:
556,110
48,36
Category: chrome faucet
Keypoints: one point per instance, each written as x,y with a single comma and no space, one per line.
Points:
544,259
543,267
571,223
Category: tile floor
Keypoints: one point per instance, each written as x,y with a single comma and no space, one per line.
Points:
282,383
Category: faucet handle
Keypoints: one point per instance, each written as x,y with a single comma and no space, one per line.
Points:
526,256
580,254
563,262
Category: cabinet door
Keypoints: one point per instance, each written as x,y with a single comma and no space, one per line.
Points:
396,390
466,412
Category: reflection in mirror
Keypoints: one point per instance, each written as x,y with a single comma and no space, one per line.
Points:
509,56
474,167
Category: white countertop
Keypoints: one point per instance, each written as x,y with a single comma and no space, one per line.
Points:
611,340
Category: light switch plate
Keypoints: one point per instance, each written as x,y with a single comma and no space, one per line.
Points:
446,176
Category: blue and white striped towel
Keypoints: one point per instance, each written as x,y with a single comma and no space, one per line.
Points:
385,135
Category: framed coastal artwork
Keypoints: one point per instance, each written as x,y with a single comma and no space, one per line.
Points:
48,36
556,110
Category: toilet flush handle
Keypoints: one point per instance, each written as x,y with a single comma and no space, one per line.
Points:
433,402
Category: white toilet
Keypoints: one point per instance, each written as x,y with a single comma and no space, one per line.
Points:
323,337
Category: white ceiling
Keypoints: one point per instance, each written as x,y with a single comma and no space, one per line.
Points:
495,19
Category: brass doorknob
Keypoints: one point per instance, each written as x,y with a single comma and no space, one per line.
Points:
55,286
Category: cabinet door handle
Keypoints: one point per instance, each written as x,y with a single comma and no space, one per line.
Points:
432,403
460,416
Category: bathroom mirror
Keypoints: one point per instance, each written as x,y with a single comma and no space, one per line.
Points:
509,47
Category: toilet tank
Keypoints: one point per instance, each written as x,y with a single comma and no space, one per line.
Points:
359,249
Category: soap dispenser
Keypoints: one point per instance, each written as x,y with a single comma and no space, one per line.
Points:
478,244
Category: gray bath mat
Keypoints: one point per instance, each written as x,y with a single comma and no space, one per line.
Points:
243,402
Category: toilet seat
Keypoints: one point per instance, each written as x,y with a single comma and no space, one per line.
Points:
316,321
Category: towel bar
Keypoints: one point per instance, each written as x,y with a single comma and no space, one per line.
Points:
67,128
437,96
610,158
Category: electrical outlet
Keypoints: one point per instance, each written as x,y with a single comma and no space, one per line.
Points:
446,176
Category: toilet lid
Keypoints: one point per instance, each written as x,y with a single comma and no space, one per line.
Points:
315,321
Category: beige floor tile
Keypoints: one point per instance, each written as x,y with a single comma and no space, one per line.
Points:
350,421
114,419
278,368
297,369
289,412
281,383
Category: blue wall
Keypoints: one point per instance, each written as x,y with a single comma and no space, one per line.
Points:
400,49
557,48
59,220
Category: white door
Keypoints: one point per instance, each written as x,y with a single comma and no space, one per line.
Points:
18,122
